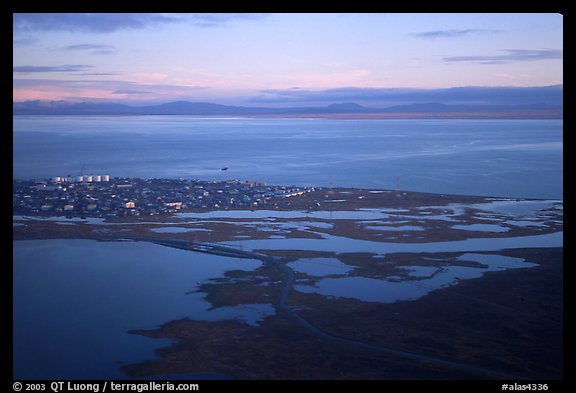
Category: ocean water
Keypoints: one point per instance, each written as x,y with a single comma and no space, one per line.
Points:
511,158
75,300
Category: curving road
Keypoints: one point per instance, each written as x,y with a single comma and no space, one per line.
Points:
288,284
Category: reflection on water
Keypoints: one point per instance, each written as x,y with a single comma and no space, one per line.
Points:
302,152
343,244
178,230
75,300
422,280
394,229
517,207
320,266
510,207
252,314
482,228
321,214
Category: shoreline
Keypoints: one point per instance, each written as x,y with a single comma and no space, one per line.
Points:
486,115
399,327
363,214
434,326
512,115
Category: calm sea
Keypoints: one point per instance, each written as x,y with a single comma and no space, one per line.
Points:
513,158
74,300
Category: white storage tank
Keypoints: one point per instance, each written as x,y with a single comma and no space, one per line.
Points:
80,179
98,178
106,178
89,179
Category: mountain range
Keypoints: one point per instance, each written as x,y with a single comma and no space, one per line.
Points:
205,108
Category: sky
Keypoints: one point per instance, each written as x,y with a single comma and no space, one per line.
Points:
287,59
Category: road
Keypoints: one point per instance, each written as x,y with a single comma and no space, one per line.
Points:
287,287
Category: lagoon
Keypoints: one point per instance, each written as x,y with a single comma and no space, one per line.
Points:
75,300
425,280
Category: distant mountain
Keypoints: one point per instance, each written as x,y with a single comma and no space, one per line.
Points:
66,108
198,108
170,108
348,107
184,107
434,107
205,108
428,107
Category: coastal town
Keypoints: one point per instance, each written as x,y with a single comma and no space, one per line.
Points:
103,196
409,264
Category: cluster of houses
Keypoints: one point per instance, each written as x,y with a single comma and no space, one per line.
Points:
120,197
